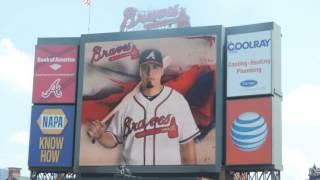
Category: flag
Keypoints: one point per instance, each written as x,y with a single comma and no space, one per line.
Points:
86,2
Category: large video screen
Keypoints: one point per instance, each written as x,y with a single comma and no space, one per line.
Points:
120,125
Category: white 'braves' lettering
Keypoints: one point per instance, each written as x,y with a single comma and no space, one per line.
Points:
151,55
55,89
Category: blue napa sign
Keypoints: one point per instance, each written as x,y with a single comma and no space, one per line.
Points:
51,136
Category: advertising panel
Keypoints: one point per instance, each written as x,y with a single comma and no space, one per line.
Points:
249,131
55,74
150,132
249,64
51,137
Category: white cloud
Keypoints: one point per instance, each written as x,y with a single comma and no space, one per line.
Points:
300,107
16,67
15,157
295,164
20,138
301,124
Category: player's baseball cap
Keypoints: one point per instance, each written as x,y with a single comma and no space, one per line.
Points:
151,56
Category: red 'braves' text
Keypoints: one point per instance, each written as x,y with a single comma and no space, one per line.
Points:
166,123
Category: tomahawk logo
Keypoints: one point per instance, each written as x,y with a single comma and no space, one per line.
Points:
151,55
55,89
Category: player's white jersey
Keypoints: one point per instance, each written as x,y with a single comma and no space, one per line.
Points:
151,131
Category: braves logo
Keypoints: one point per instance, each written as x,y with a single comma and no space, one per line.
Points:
55,89
164,124
154,18
151,55
116,53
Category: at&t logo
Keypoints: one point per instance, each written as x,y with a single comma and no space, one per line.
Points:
249,131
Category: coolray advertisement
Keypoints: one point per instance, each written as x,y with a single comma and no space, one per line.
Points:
143,131
51,137
249,64
249,131
55,74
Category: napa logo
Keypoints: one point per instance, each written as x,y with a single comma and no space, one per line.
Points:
248,83
249,131
52,121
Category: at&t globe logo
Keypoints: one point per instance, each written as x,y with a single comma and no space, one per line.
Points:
249,131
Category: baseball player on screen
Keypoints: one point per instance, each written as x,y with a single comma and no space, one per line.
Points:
155,126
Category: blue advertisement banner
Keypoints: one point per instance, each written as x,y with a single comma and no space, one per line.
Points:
51,136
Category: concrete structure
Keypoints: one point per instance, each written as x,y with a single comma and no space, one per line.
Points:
12,173
314,173
4,174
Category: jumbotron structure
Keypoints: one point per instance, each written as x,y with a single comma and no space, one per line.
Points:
229,76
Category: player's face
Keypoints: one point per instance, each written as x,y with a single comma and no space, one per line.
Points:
151,75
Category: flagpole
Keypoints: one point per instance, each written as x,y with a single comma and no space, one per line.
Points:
89,17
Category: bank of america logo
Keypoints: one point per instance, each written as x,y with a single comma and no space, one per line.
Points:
249,131
55,66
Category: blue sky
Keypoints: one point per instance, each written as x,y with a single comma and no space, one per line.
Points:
22,22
